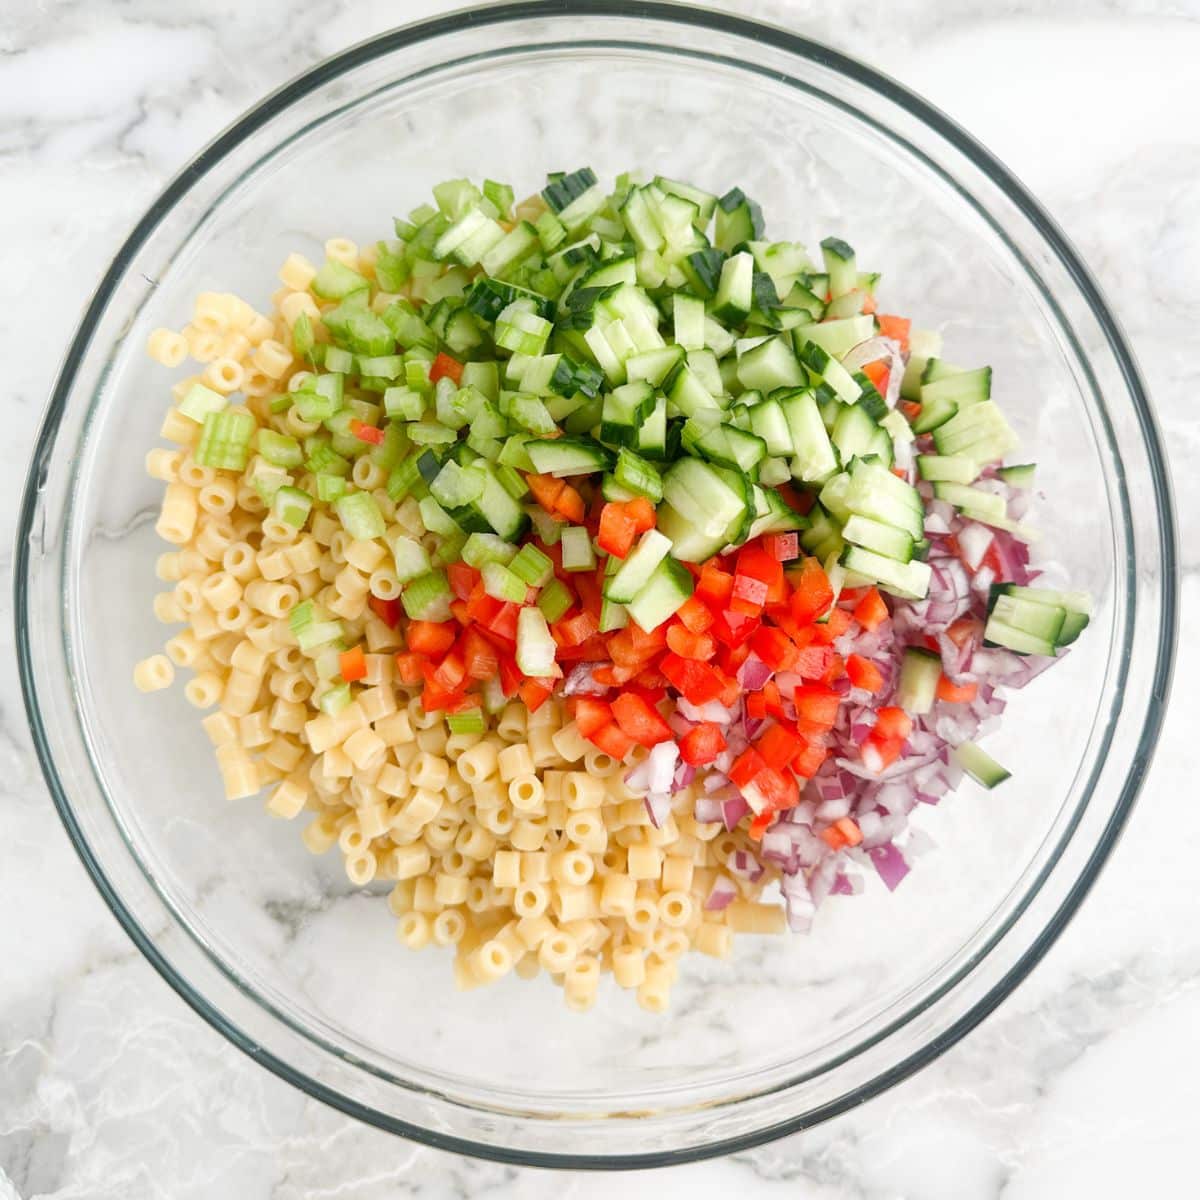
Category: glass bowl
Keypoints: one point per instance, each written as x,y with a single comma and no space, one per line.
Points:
270,945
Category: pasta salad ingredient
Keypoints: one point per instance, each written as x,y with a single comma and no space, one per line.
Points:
593,578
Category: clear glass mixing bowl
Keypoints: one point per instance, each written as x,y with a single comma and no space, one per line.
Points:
271,946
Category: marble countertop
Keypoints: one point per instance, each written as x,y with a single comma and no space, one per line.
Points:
1084,1083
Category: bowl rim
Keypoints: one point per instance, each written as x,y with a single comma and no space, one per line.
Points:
717,22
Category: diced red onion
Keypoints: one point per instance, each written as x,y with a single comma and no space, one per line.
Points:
707,810
658,808
753,674
722,892
890,864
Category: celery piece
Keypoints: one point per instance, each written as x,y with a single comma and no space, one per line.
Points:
360,516
554,600
200,401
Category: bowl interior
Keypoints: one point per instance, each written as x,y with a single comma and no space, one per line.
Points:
286,928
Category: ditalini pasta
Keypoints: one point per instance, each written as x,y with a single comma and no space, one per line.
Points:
488,560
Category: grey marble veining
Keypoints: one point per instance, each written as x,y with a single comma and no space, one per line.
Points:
1083,1084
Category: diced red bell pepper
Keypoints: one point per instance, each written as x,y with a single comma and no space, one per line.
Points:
777,790
877,372
878,751
956,693
964,630
546,490
480,657
634,645
749,596
756,705
758,563
443,364
431,638
697,682
733,628
511,677
653,696
817,705
450,674
774,701
836,622
864,673
895,327
570,506
746,767
409,667
588,585
731,691
574,631
715,586
893,722
352,664
759,825
535,692
462,577
481,607
690,645
694,615
775,648
371,434
504,624
871,611
813,594
783,547
808,761
458,610
702,744
617,530
613,741
813,662
641,512
730,658
591,713
593,650
639,721
388,611
835,670
843,832
778,746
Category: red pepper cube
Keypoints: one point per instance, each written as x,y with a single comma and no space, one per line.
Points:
749,596
783,547
746,767
817,705
697,682
864,673
775,648
613,741
591,714
714,586
352,664
778,746
813,594
443,364
617,530
480,657
388,611
639,721
702,744
808,761
871,611
535,692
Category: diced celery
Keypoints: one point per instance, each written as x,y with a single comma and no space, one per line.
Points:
532,566
577,552
360,516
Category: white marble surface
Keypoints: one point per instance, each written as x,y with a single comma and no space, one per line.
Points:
1085,1083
